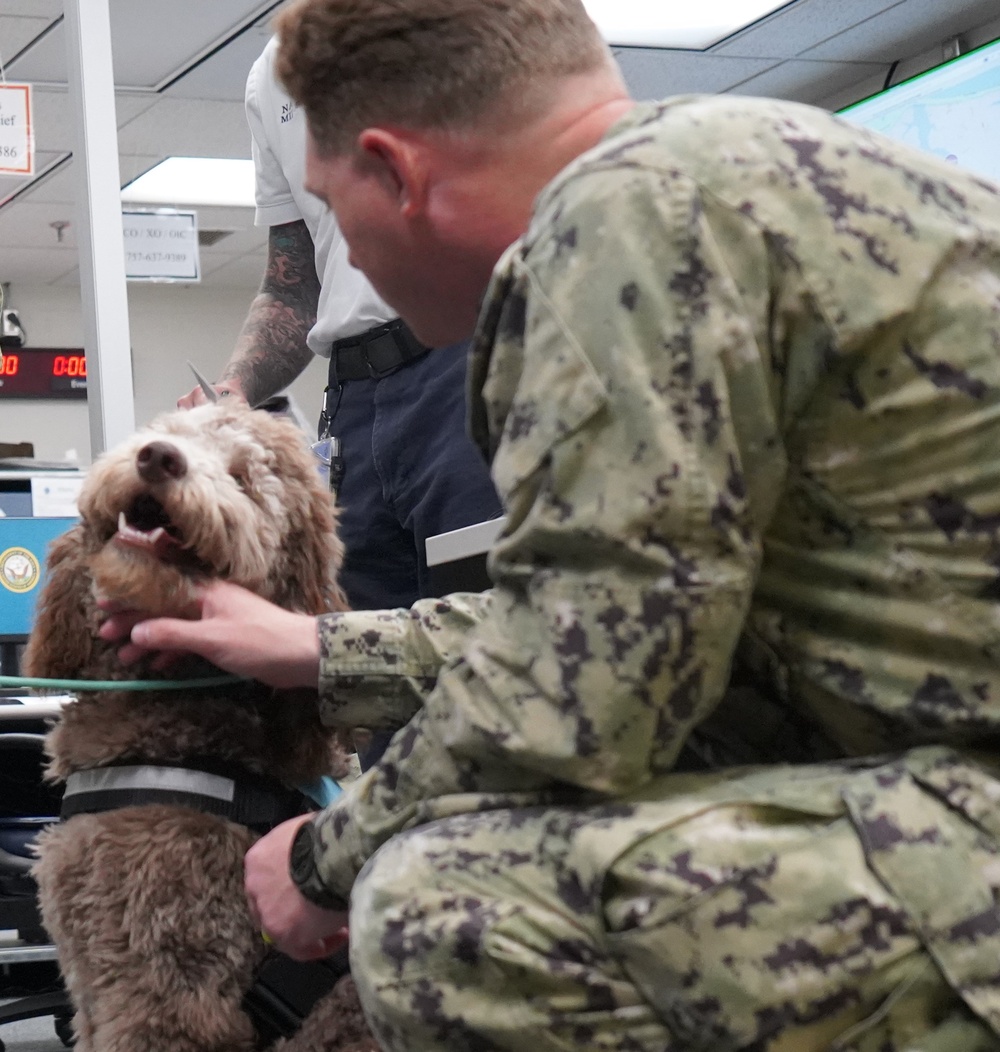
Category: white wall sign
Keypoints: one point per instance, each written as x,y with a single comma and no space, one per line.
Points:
161,246
17,142
56,497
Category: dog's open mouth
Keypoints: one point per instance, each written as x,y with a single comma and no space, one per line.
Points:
147,526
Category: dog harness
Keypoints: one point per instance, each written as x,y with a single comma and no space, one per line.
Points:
283,991
226,790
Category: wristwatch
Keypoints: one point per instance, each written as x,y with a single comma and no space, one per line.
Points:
304,873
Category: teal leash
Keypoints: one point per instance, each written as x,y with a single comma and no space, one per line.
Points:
322,792
118,684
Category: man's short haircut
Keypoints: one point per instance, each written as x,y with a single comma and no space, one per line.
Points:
428,64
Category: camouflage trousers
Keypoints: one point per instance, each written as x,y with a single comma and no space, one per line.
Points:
849,907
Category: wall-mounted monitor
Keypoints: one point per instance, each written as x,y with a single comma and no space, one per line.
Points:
952,111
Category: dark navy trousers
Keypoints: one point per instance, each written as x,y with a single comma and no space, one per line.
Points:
410,472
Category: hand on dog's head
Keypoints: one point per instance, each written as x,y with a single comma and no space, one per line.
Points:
218,492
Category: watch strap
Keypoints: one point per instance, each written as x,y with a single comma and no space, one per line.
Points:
305,873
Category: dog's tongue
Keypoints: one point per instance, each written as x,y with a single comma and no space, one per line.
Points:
157,542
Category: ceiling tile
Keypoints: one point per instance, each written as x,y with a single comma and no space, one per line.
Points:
62,188
16,33
188,128
653,73
804,81
911,66
49,9
903,30
224,74
799,26
10,184
795,53
182,31
58,188
52,118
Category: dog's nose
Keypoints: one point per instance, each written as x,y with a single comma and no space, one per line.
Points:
160,461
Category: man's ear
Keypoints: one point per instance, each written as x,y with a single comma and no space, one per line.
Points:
400,162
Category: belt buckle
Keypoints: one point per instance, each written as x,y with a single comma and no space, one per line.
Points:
373,372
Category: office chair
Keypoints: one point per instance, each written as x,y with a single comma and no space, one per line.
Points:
27,805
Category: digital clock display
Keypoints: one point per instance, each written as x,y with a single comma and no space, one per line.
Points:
39,372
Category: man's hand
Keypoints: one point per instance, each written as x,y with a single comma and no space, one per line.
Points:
295,925
235,630
229,391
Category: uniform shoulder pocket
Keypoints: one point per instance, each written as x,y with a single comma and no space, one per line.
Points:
557,393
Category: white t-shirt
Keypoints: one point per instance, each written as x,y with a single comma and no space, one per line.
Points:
347,302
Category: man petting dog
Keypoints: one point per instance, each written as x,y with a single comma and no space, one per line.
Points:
714,765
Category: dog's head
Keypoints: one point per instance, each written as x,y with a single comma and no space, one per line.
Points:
216,492
219,492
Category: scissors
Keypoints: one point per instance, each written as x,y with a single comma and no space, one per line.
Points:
210,392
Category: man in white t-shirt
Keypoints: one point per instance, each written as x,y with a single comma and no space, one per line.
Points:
410,470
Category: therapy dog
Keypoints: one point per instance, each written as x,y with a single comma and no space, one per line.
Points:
141,884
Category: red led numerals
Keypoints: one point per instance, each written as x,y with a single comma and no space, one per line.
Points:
69,365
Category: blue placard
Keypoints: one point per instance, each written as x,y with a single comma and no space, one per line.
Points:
23,548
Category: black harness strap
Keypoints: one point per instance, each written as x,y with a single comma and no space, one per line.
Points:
241,796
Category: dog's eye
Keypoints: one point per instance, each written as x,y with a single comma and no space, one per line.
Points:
241,480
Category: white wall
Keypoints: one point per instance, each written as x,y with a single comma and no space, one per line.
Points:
169,324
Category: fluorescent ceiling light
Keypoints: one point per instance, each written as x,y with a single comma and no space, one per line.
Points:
670,23
194,181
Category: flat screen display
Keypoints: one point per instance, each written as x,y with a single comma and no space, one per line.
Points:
952,111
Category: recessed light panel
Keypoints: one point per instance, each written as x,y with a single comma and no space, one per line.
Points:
194,181
668,23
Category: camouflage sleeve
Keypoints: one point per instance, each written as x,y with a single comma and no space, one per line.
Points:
621,377
376,667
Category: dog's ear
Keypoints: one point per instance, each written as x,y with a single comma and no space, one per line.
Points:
61,643
314,556
303,573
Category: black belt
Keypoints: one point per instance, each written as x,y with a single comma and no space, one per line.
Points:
373,354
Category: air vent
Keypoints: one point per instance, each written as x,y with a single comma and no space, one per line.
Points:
212,237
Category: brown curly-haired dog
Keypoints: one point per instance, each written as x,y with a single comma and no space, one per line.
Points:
146,902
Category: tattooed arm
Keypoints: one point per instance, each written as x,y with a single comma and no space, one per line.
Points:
271,349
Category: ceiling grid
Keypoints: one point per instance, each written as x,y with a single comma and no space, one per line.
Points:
185,95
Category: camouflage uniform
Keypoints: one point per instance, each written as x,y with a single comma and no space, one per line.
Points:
740,386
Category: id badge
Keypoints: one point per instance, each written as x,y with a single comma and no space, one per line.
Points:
329,462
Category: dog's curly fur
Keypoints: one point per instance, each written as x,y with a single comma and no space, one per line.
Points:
146,903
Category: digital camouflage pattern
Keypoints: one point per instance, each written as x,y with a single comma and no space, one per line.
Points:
761,911
740,387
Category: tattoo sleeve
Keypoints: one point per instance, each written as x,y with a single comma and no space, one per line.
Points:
271,349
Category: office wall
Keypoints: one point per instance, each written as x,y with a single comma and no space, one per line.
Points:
169,324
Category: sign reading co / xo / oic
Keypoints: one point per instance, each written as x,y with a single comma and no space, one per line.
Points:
161,246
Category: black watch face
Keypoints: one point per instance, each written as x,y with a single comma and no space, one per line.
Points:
301,861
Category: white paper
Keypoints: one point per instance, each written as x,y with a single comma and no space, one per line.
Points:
55,497
17,142
161,246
